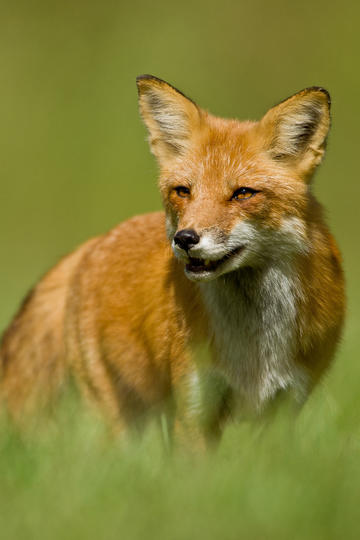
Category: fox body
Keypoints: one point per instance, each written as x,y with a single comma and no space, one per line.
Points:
240,260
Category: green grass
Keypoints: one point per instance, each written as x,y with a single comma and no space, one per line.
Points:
296,480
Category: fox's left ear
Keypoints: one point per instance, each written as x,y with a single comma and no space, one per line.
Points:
171,118
295,131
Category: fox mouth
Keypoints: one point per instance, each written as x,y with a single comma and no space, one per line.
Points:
198,266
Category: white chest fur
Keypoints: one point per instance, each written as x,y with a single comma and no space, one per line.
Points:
253,322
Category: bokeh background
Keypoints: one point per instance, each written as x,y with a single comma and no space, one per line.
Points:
74,162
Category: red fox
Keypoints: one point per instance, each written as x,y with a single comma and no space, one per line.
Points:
240,260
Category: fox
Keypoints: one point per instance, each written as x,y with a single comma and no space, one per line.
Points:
240,262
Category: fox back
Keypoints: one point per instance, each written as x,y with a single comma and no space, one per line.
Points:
241,260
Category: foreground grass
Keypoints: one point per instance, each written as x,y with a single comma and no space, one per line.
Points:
300,482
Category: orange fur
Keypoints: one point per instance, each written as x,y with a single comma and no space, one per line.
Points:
123,317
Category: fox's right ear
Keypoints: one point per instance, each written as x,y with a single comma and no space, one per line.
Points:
170,117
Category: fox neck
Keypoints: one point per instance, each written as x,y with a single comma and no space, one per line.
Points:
253,318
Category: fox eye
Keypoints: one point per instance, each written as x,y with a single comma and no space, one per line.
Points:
243,193
182,191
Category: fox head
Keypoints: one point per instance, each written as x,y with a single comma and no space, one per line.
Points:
235,193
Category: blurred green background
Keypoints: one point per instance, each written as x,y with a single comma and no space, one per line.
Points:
74,162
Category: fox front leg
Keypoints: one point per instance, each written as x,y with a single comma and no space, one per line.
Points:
202,403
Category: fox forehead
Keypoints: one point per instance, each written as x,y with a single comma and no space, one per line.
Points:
227,154
221,146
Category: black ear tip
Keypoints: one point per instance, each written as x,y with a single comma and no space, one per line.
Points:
143,82
320,89
147,77
158,83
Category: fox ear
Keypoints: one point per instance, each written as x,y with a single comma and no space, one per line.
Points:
296,129
170,117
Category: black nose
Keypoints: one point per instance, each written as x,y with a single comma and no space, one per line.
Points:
186,238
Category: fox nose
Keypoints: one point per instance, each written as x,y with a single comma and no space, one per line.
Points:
186,238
